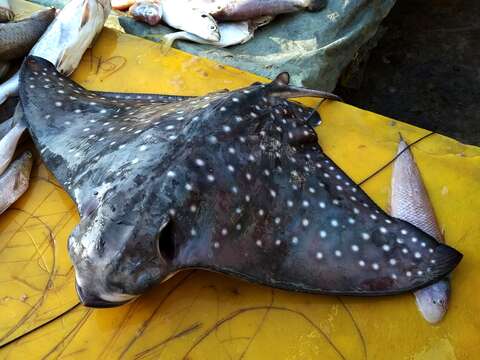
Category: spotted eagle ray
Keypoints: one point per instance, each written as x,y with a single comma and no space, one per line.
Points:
233,182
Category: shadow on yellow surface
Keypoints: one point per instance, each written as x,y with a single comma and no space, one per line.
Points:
201,315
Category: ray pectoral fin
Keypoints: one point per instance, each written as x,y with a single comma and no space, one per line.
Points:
445,259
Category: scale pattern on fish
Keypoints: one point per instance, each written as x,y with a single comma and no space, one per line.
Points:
239,10
234,182
17,38
410,202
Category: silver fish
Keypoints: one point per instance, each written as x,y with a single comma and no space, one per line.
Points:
196,22
14,181
66,39
231,33
410,202
240,10
6,14
233,181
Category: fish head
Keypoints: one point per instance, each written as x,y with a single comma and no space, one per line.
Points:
147,11
432,301
206,27
120,248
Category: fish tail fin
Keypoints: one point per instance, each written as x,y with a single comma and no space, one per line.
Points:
167,42
446,259
317,5
17,118
6,14
281,88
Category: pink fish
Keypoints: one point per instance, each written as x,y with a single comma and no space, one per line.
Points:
410,202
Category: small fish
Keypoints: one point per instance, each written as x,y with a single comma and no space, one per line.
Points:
196,22
8,144
5,13
410,202
149,12
233,182
14,181
231,33
66,39
18,37
240,10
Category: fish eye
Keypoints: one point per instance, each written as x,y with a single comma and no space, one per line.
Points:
166,242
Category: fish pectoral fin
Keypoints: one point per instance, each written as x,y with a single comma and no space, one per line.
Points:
85,14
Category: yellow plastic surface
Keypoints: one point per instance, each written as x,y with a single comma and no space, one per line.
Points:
201,315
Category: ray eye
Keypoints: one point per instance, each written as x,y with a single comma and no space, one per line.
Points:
166,242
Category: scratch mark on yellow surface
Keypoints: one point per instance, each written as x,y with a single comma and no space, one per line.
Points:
256,308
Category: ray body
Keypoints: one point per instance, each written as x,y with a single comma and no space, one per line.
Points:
410,202
234,182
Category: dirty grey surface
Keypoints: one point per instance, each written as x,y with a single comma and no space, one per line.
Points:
426,68
313,47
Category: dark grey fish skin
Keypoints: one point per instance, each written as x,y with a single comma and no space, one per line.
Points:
17,38
233,182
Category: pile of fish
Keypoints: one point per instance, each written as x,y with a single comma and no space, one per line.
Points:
233,182
62,39
197,19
